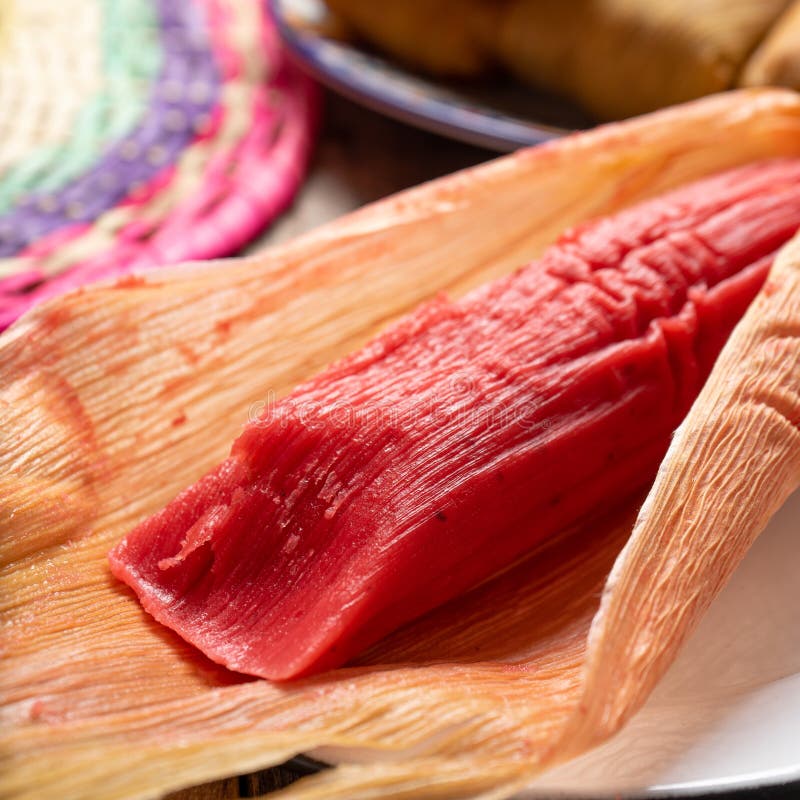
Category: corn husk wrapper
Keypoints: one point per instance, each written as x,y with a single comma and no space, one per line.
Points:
776,61
615,58
114,398
445,37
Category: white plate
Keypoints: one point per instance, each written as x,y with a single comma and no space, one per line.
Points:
727,714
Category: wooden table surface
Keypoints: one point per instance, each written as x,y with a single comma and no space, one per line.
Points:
362,157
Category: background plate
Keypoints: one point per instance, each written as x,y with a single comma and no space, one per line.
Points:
498,115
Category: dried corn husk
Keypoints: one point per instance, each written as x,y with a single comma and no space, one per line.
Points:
115,397
446,37
776,61
615,58
623,57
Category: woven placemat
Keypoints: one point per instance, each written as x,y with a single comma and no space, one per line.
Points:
136,133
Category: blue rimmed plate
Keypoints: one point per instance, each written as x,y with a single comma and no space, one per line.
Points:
497,115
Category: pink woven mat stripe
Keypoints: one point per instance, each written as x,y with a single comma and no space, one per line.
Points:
243,184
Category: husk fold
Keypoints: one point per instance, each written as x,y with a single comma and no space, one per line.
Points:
114,398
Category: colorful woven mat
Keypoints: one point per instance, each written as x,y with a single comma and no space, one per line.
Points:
136,133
